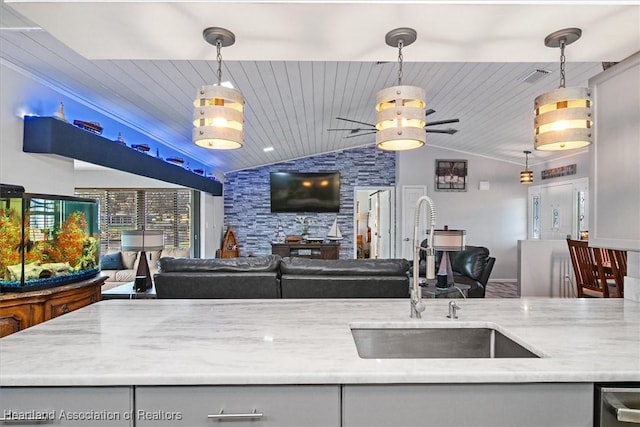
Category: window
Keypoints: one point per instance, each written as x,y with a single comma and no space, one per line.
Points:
131,209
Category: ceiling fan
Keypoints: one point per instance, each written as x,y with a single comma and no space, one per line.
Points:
371,128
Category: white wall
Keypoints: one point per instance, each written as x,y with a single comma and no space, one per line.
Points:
37,173
580,158
495,218
211,224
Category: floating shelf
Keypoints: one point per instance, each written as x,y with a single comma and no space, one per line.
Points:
52,136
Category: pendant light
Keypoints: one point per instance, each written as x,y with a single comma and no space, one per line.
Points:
218,115
526,176
563,116
400,110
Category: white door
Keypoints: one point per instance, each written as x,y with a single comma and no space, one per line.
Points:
410,195
558,210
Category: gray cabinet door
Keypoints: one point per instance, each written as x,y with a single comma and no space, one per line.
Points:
614,177
238,406
468,405
66,406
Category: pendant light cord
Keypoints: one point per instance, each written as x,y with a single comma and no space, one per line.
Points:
400,45
562,60
219,58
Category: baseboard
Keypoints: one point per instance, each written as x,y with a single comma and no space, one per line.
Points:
503,280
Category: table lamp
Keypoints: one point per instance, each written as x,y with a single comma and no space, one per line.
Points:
446,241
142,240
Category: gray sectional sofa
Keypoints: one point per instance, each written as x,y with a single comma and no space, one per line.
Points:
274,277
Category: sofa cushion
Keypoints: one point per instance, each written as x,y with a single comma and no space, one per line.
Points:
218,284
344,267
350,286
175,253
242,264
129,259
125,275
111,261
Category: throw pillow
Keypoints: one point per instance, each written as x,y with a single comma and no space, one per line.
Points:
111,262
129,259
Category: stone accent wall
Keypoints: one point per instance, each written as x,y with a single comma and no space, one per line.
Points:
247,206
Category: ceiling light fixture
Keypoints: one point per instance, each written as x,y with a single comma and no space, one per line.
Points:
526,176
218,115
563,116
400,110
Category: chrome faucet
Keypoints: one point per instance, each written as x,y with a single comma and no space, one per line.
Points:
453,310
417,307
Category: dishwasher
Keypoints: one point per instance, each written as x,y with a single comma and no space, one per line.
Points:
617,405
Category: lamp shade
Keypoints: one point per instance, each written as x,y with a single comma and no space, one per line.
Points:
218,118
141,240
449,240
563,119
400,118
526,177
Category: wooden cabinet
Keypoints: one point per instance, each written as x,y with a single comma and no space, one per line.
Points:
67,406
307,250
460,405
282,406
20,310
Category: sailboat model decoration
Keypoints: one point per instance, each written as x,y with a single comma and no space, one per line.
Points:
334,231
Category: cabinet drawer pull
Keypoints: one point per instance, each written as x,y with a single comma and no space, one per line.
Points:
222,416
621,411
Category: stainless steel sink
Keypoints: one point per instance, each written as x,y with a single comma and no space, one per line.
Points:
436,342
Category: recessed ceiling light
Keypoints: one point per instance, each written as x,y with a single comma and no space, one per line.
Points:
267,149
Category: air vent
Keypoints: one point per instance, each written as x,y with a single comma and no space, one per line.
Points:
534,75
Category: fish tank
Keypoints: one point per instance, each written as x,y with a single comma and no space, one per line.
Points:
46,240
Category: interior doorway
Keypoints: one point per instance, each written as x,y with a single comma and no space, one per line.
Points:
558,210
374,219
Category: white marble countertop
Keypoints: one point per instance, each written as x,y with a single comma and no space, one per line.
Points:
177,342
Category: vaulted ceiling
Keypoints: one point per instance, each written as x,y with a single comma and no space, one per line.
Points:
302,64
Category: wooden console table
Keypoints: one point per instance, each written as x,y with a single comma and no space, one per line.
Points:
20,310
307,250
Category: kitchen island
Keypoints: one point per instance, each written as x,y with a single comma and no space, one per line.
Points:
156,350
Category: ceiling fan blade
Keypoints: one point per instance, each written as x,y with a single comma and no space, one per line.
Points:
349,129
429,111
361,134
355,121
442,122
449,131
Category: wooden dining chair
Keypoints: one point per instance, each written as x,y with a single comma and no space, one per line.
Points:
588,269
618,263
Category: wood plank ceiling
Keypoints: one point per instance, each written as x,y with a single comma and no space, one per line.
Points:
291,104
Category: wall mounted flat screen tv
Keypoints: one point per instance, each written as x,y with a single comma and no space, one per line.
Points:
305,191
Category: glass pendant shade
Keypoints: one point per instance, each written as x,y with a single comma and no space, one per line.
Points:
526,177
563,119
218,118
400,118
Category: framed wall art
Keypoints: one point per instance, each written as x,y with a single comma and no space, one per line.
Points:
451,175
